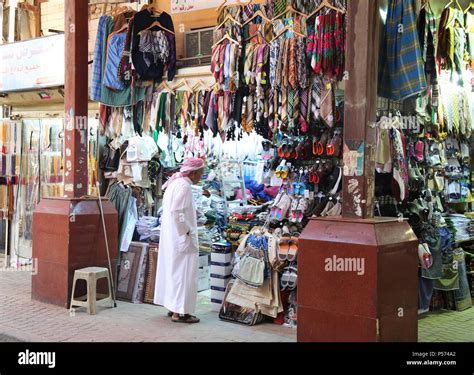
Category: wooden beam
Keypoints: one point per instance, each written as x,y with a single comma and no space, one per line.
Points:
38,18
75,100
11,20
360,108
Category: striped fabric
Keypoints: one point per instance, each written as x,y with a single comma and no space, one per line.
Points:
401,72
96,82
280,6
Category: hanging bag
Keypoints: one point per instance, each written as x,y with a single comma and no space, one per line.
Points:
251,271
110,159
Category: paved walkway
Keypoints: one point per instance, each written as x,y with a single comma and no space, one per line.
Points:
27,320
22,319
447,326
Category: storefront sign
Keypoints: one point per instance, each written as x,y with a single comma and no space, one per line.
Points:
181,6
32,64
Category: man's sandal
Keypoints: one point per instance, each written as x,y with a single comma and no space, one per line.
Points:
186,318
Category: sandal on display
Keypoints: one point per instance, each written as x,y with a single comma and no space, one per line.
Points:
293,278
283,247
285,279
294,246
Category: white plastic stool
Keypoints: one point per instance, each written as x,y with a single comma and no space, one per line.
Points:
91,275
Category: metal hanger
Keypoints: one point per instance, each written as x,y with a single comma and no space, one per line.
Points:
285,29
121,9
182,83
326,4
219,8
290,9
157,24
123,28
258,13
164,87
153,9
471,6
457,3
202,85
225,37
229,18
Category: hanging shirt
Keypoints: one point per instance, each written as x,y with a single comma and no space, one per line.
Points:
401,72
142,21
115,47
155,47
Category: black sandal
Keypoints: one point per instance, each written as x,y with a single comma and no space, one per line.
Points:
186,318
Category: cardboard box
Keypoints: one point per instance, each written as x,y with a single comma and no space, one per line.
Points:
221,257
221,269
217,294
220,281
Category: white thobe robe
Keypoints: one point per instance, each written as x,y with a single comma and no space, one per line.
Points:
178,257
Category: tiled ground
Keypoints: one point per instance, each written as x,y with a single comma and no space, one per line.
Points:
24,320
447,326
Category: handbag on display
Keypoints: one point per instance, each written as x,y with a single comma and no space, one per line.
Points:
251,271
110,159
238,314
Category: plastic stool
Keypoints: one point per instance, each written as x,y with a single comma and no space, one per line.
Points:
91,275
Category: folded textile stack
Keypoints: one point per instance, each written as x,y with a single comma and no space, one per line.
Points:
459,226
198,202
205,240
470,216
148,228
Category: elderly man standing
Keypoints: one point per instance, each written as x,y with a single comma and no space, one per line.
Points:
176,275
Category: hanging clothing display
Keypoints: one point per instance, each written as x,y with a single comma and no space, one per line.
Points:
423,158
401,73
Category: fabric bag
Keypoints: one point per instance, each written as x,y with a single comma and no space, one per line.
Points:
251,271
110,159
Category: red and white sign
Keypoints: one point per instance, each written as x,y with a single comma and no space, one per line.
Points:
181,6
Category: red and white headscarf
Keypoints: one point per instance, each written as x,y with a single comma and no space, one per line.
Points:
190,165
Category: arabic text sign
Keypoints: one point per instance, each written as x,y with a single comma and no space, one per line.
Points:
33,64
181,6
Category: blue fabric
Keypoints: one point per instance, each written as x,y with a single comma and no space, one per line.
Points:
257,190
96,81
401,73
437,250
114,55
425,292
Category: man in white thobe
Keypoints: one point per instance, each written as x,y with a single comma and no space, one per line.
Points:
178,256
